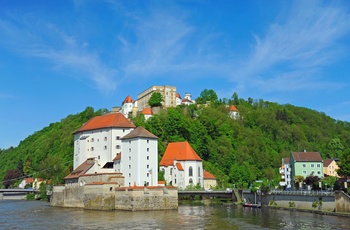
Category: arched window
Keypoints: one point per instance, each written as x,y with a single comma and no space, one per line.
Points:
199,171
191,181
190,171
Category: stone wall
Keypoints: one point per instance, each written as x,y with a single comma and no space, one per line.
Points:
342,202
143,198
297,201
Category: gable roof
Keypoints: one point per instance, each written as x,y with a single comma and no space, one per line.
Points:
307,156
180,151
147,111
128,99
208,175
286,160
81,169
179,166
327,162
139,132
110,120
118,157
233,108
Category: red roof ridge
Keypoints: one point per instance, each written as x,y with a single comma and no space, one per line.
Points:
233,108
128,99
109,120
179,151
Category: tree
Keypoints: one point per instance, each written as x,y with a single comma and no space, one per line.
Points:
235,98
312,181
207,95
53,168
155,99
344,164
298,180
11,176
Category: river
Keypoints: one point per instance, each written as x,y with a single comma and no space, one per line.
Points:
19,214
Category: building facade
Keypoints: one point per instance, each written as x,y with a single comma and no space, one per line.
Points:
285,171
182,166
306,164
168,94
139,158
100,138
330,167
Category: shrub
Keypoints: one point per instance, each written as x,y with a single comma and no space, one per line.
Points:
30,196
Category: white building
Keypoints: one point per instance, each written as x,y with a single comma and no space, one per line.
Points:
285,171
181,165
233,112
187,99
127,106
100,138
139,158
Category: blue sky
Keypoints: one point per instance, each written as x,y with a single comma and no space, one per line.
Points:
58,57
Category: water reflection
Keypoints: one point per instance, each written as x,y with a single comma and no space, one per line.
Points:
39,215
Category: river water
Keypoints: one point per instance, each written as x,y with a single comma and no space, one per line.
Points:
16,214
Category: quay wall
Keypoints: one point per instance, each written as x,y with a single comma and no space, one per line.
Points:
157,198
342,203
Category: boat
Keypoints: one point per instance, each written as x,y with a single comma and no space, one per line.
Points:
247,204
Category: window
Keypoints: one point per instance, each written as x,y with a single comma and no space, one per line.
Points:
318,165
148,166
147,174
319,172
312,165
92,139
190,173
190,181
129,166
117,137
129,158
117,146
199,171
123,130
171,171
105,138
129,150
147,149
147,141
304,165
304,172
92,148
98,157
175,181
105,147
147,157
129,174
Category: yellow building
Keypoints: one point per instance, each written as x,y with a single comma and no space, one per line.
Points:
330,167
168,93
209,180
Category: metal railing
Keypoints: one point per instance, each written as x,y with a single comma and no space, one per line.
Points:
303,192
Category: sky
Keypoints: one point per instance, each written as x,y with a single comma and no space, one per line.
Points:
58,57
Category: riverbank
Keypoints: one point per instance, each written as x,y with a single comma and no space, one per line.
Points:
310,211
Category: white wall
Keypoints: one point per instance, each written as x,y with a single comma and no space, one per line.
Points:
139,157
101,144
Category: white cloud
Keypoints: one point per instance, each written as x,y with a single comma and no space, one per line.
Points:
296,48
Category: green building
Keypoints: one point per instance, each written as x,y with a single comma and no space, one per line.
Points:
306,164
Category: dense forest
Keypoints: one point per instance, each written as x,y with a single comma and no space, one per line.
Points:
237,151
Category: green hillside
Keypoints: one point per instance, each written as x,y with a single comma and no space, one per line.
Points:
235,151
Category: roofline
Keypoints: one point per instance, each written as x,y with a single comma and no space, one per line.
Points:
106,127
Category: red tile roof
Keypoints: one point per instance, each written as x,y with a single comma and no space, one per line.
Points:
128,99
208,175
327,162
286,160
307,156
118,157
177,95
29,180
110,120
139,132
233,108
179,166
147,111
81,169
180,151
